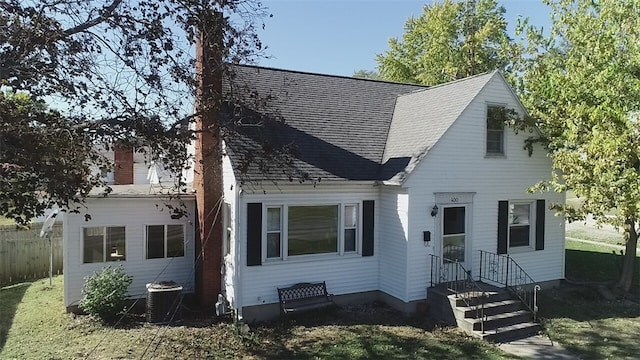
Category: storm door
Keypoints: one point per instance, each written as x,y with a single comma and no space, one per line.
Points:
454,234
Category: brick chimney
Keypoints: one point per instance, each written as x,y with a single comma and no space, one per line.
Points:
123,169
207,179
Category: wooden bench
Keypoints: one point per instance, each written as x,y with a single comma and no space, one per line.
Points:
303,297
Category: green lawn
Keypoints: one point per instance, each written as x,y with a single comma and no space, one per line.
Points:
580,318
587,325
606,236
5,221
593,263
33,325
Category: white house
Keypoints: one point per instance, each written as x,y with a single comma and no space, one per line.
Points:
380,176
132,227
395,173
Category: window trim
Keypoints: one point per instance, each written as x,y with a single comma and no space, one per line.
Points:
265,233
357,228
488,153
284,225
532,226
145,254
104,244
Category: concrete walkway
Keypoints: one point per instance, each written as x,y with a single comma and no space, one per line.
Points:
537,347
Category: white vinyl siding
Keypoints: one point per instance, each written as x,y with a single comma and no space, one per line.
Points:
344,273
133,214
393,227
457,163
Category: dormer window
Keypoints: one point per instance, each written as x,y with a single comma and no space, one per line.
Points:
495,130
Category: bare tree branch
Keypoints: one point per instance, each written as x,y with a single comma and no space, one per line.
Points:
93,22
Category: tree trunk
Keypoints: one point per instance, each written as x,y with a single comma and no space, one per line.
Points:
629,258
208,159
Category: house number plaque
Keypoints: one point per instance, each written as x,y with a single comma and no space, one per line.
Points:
454,197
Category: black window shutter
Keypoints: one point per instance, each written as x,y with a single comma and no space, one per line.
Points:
367,227
254,234
503,226
540,220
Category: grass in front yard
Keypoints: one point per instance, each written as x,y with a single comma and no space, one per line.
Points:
607,236
589,262
587,325
580,318
35,325
5,221
595,263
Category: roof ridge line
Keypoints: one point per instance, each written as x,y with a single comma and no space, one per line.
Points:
329,75
492,72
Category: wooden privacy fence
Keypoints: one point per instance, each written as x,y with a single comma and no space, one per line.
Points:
24,255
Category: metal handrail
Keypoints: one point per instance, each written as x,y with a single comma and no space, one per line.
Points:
503,270
458,280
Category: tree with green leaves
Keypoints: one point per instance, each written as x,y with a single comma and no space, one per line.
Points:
581,84
448,41
367,74
116,72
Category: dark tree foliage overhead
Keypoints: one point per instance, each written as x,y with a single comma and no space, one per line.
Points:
116,72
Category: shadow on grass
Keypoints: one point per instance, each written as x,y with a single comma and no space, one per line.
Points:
583,303
595,266
589,326
10,298
579,317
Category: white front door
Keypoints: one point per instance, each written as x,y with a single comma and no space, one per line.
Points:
454,233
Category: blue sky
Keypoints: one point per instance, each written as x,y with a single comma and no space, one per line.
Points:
341,36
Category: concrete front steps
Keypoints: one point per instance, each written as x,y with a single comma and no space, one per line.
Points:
506,318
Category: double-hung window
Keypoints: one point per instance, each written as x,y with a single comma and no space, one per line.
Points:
495,130
350,228
521,225
520,230
164,241
293,230
103,243
274,232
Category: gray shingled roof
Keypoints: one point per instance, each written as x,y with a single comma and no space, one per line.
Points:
340,128
337,125
420,119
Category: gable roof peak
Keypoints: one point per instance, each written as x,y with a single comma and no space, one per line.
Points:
420,119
